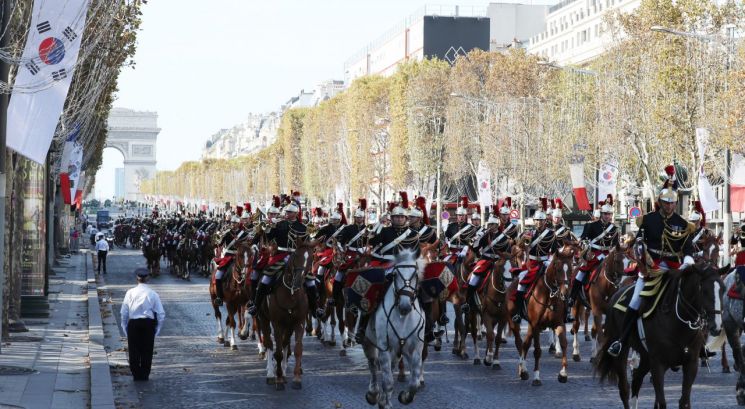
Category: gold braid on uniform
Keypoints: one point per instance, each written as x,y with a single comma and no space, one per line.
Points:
670,236
294,235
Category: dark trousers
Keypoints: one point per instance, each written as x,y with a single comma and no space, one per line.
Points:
102,261
140,341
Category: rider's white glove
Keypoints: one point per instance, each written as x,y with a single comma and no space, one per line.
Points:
687,261
463,252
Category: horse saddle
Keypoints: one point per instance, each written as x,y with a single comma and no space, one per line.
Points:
651,294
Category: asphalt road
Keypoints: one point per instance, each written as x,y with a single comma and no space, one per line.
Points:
192,370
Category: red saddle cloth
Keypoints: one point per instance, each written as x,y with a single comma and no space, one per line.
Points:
740,258
265,260
733,293
224,261
438,280
365,288
534,266
325,257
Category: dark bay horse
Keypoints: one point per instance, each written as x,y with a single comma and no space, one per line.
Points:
283,314
675,333
151,251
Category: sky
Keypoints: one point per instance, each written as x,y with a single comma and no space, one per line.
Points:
204,66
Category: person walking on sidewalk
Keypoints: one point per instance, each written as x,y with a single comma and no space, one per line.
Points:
103,249
142,318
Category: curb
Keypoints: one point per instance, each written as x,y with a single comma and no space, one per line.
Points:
102,389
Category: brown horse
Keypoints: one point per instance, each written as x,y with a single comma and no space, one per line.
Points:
546,310
494,312
604,282
236,294
346,318
285,310
458,299
674,332
152,255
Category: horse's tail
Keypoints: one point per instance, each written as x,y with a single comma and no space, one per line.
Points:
604,363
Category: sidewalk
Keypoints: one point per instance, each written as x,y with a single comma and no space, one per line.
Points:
61,361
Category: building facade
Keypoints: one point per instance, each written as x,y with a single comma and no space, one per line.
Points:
575,32
119,183
512,24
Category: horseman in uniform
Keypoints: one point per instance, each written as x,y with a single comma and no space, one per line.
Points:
386,245
562,233
419,223
229,242
285,234
601,236
460,234
328,236
542,244
494,244
352,241
476,222
738,237
667,236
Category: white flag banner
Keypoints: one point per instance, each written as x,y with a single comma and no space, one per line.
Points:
483,179
706,193
607,179
49,58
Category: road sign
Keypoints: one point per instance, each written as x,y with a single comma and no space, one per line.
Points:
514,214
445,215
634,212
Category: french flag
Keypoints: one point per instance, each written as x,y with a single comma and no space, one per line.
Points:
577,172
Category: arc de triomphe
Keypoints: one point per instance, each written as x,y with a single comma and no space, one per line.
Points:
134,133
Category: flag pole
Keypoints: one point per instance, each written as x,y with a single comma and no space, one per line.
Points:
727,208
4,98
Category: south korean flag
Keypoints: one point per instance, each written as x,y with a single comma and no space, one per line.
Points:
44,75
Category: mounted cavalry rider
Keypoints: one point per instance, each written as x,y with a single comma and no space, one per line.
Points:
246,221
229,242
668,238
285,234
386,245
476,222
460,234
541,246
494,244
563,234
738,237
601,236
328,235
352,240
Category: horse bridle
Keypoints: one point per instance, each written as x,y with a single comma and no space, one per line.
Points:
295,282
408,289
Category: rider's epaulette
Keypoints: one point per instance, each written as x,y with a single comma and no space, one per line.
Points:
691,229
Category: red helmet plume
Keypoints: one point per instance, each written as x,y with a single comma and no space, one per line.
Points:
391,206
508,202
247,207
477,209
276,201
363,204
464,202
553,204
404,199
421,204
340,209
559,203
544,204
495,208
239,211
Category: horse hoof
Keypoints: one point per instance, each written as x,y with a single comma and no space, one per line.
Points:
455,351
592,360
558,355
270,381
253,337
725,369
464,355
279,386
524,375
741,397
476,361
536,382
405,397
401,378
497,367
371,398
343,352
563,378
243,337
262,355
438,348
486,363
552,349
234,347
226,344
297,385
421,386
588,338
576,358
331,343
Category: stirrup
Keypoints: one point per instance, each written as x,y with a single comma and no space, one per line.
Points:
218,301
517,318
444,320
319,312
615,349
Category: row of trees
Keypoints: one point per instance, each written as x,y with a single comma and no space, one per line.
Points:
638,105
108,44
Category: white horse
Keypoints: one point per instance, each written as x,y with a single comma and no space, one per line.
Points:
396,329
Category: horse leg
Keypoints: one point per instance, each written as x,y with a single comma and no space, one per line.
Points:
586,318
637,379
384,398
658,381
220,329
536,338
298,372
522,372
231,326
489,324
401,370
597,329
562,335
560,351
245,323
373,387
733,337
331,317
575,342
475,330
280,341
690,369
413,356
497,344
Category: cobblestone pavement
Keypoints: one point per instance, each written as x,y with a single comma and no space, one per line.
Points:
191,370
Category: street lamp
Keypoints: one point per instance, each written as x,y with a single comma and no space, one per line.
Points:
727,216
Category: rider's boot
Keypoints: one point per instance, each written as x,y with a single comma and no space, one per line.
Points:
336,290
219,291
312,293
520,304
359,335
629,320
262,290
443,320
575,291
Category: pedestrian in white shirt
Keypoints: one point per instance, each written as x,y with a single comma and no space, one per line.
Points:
103,249
142,318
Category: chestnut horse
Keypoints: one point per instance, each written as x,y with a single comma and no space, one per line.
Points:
494,312
283,314
236,294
